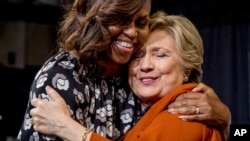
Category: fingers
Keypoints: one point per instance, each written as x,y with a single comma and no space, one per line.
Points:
197,110
34,112
200,112
38,124
210,108
185,100
201,87
39,128
191,104
192,113
183,110
199,117
53,94
189,95
35,120
35,102
190,110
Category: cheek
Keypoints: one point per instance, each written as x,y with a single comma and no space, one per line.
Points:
132,71
172,75
114,30
143,35
132,68
170,66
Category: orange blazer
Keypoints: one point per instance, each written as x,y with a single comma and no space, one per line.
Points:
157,124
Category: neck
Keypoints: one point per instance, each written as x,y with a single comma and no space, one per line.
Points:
145,105
110,68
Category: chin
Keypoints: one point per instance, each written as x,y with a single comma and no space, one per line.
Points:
122,60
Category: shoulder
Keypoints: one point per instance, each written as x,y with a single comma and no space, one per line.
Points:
60,62
61,67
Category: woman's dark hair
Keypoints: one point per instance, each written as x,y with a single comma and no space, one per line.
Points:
84,27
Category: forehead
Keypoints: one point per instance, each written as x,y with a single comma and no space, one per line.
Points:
147,6
145,10
160,38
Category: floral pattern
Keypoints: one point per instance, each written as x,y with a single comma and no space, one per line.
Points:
105,105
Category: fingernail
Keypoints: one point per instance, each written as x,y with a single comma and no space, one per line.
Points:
194,89
183,118
171,110
48,88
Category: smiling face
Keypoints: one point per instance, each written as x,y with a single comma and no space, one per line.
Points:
125,39
157,68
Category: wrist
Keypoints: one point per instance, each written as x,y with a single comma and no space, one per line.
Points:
71,130
86,135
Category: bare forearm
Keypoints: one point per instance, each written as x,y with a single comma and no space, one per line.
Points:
225,133
225,130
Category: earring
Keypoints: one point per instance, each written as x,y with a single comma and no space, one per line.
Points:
186,79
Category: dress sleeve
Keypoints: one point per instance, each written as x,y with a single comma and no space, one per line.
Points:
56,72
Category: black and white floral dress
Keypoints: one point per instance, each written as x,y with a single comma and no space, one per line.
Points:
105,105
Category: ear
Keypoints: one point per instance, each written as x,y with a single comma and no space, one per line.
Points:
186,75
187,72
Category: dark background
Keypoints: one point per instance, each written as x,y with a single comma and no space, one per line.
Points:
223,24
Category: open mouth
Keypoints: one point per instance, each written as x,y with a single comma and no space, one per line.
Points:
124,44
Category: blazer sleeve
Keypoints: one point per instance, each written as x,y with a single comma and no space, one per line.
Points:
96,137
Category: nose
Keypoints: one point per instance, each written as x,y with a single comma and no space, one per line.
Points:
130,30
146,64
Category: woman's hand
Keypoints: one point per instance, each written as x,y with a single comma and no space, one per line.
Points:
202,105
49,116
53,118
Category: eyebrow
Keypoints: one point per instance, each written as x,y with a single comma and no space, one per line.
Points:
157,48
144,17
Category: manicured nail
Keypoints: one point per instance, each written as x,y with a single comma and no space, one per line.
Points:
194,89
184,118
171,110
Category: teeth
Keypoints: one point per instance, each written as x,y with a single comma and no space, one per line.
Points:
124,44
145,80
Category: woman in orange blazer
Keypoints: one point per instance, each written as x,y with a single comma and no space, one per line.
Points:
168,65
